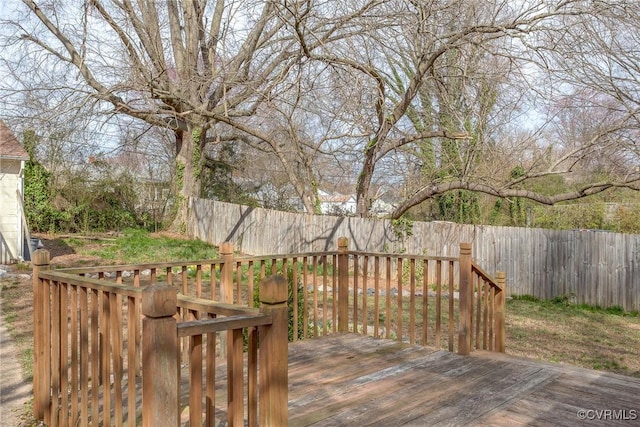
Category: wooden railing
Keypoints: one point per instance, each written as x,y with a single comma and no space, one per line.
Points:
446,302
412,298
95,365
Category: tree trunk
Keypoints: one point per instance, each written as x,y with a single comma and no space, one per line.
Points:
363,201
188,182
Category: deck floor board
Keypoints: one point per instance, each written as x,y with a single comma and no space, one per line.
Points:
350,379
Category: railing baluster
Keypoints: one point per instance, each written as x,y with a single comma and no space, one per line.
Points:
478,297
210,398
314,280
412,301
185,280
212,282
84,356
500,307
400,297
425,301
252,376
492,299
105,353
325,297
235,390
199,280
305,299
376,296
250,285
238,298
334,293
195,380
95,357
365,293
343,284
438,303
485,314
64,354
387,300
75,361
115,302
355,316
169,272
294,292
183,312
132,358
451,317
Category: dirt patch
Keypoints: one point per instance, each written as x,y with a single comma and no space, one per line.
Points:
64,256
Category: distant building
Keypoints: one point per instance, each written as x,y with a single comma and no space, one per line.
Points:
12,232
380,208
337,204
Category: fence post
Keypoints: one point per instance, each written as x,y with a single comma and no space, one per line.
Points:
466,300
41,362
343,284
501,297
226,275
160,357
273,357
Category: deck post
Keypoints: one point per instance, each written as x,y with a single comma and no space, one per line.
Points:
273,358
41,361
160,357
466,300
226,289
343,284
226,275
501,297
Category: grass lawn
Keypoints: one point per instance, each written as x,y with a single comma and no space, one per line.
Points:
559,331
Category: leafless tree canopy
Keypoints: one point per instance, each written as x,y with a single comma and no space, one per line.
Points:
418,97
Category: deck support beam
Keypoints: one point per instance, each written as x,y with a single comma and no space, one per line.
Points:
343,285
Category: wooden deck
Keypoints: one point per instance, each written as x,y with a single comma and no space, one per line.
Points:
354,380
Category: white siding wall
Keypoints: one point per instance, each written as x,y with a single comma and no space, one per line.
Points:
10,221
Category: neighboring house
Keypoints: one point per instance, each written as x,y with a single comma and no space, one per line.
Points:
337,204
345,204
12,159
380,208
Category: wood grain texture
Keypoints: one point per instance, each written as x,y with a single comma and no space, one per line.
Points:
349,379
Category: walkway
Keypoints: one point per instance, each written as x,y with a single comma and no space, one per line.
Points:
14,391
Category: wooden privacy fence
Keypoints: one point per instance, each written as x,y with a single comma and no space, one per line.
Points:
87,326
589,266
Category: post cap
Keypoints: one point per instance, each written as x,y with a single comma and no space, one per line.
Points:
226,248
159,300
274,290
343,242
40,257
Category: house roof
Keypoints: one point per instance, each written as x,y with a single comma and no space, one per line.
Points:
10,148
334,197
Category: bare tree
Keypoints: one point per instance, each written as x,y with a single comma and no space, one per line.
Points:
446,99
422,94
